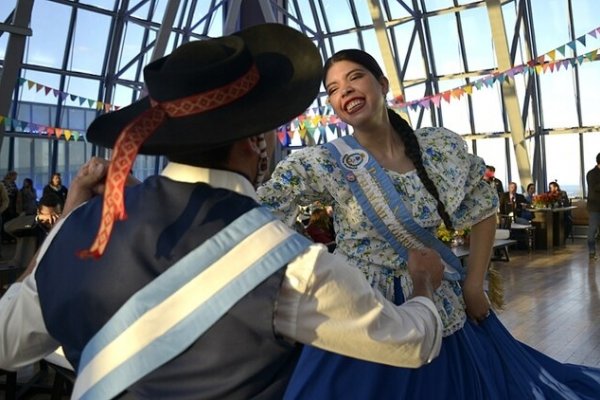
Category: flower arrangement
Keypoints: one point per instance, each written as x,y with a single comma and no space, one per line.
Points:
452,236
545,200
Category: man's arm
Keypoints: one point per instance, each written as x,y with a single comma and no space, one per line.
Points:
330,305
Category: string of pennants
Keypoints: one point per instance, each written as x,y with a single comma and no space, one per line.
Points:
319,119
322,118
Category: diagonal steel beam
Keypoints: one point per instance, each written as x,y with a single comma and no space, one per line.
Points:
511,102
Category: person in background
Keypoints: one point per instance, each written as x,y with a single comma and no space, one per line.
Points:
3,207
12,190
47,214
389,186
55,186
490,177
27,198
513,203
563,197
593,206
529,193
201,292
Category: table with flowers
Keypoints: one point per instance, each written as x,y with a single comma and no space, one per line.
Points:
549,225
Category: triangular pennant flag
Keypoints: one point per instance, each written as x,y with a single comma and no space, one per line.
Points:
413,105
342,125
50,130
592,33
315,120
551,66
545,67
332,127
478,83
30,84
67,134
90,102
573,61
539,69
55,92
301,117
311,131
81,101
558,64
99,105
38,87
58,132
468,89
21,81
551,54
75,135
47,89
581,39
436,100
446,96
561,50
107,107
572,45
302,133
510,73
580,60
72,97
500,78
591,56
565,64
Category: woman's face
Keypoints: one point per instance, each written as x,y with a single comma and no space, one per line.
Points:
56,180
355,94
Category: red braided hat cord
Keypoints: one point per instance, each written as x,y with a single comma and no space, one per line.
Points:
135,134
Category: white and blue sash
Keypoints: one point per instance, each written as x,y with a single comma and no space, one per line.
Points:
381,203
166,316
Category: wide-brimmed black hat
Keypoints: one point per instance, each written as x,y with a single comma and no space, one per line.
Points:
219,90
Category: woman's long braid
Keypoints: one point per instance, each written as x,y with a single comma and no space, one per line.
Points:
413,151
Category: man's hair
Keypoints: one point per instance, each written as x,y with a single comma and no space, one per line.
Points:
598,158
49,200
491,168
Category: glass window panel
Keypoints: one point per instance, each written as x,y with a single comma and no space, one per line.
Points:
461,2
303,14
445,42
23,160
487,109
39,50
415,69
130,49
455,113
339,15
550,19
585,16
431,5
81,91
562,162
589,89
396,8
88,51
488,149
362,10
477,36
6,7
45,82
104,4
509,12
558,99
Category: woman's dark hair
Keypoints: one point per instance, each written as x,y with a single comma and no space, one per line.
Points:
404,130
530,185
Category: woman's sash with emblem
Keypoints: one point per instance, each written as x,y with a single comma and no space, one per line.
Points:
381,203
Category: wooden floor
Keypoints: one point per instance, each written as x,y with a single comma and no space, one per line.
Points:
552,302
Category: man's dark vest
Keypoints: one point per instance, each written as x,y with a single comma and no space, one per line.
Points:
239,357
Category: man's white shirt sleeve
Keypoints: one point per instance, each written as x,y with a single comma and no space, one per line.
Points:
330,305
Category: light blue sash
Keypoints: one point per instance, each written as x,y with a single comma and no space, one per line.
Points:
381,203
165,317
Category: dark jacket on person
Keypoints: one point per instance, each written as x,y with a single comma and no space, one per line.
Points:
593,183
508,205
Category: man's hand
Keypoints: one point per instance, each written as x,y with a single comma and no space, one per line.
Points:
89,182
426,270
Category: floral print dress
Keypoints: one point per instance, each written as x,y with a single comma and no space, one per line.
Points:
312,175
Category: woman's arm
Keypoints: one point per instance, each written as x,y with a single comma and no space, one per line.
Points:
482,239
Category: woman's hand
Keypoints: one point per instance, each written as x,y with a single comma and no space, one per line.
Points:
476,301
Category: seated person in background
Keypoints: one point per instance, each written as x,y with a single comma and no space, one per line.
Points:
513,203
320,227
530,193
563,200
48,212
489,177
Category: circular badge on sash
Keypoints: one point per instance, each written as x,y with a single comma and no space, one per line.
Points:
355,159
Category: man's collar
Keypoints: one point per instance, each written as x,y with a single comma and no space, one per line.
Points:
214,177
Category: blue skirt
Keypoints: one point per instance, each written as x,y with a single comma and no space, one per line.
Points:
478,362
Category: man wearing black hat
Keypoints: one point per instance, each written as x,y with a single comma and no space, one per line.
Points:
202,293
